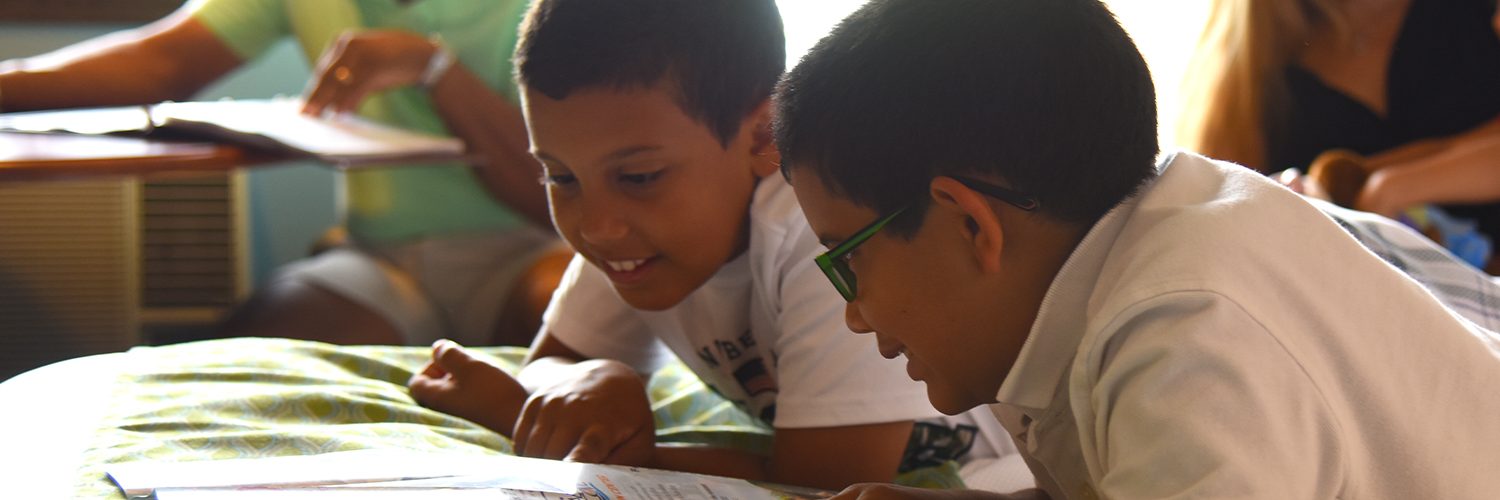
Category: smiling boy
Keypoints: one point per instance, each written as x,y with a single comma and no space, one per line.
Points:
983,173
652,120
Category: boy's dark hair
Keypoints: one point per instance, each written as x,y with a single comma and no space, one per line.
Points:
723,56
1049,96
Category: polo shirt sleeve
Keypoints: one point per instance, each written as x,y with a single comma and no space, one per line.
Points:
248,27
1191,397
588,316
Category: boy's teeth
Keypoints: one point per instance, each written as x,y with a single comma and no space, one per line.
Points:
625,265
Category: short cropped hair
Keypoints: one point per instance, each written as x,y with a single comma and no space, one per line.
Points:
723,56
1049,96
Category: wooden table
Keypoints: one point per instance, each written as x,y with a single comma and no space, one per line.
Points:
30,156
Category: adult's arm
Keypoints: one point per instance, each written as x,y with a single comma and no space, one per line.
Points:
169,59
1463,169
492,125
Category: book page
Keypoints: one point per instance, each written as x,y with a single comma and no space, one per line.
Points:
279,123
351,467
402,474
93,121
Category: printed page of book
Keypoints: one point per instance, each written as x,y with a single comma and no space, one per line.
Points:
364,466
598,482
403,474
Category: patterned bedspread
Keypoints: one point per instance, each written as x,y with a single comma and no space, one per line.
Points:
244,398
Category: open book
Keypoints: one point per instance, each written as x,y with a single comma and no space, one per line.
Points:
275,125
410,474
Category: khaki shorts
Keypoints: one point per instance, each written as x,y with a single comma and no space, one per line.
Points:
453,286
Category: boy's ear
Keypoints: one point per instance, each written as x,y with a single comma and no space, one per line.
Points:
767,158
982,230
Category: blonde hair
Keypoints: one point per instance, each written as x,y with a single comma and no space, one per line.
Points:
1235,76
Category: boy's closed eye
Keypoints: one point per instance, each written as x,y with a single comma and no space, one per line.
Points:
632,179
641,178
558,179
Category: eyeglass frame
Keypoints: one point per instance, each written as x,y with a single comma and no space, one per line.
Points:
835,262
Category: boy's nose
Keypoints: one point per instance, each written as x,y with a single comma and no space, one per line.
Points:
855,321
599,224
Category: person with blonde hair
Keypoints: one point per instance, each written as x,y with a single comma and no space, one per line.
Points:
1407,86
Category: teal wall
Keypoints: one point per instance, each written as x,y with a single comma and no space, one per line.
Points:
290,205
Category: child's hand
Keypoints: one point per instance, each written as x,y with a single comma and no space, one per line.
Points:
882,491
598,414
459,384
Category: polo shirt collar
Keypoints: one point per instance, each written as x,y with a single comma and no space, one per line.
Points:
1054,338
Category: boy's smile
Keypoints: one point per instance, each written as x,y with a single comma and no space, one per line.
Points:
642,191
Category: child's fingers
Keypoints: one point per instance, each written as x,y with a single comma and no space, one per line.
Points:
431,370
560,439
521,435
538,439
633,449
432,381
452,358
426,390
593,447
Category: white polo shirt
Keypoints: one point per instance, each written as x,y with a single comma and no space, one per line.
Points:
1216,336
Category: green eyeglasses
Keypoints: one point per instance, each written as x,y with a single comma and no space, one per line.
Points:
835,262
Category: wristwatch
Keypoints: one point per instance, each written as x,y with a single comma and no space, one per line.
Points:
442,59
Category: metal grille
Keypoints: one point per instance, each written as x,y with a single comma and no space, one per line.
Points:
67,271
94,267
187,243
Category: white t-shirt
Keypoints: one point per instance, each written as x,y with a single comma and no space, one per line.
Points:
1218,337
766,331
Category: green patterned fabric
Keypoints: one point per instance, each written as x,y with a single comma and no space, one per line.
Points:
246,398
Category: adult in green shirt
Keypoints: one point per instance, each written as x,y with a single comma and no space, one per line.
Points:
434,250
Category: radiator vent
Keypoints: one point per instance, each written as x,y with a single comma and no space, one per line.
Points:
187,243
67,271
94,267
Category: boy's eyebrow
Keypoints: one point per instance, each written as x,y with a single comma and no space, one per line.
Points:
545,158
629,151
617,155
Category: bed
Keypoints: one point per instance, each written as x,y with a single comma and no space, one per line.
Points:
239,398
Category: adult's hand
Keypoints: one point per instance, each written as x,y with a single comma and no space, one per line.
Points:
364,62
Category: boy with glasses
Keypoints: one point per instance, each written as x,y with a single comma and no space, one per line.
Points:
1144,328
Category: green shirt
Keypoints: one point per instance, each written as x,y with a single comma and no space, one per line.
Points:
392,204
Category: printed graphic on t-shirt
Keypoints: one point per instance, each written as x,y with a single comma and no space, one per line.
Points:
746,364
932,443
